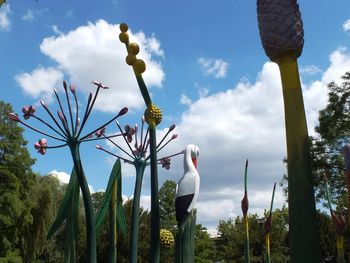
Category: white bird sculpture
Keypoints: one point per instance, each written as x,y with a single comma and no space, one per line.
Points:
187,189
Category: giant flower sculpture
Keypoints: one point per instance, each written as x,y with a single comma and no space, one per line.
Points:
67,128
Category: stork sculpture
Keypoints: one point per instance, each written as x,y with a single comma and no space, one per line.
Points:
187,191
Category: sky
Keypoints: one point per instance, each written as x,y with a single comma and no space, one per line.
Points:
206,70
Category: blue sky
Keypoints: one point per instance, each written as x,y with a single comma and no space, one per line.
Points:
206,69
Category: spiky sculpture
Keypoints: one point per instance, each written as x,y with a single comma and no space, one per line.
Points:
281,32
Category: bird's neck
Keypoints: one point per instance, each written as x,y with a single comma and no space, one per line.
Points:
188,163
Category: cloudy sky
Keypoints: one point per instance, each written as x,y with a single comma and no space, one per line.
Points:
206,70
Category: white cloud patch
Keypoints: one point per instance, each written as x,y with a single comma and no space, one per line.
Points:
28,16
93,51
56,30
31,14
185,100
40,82
63,177
246,121
310,70
346,26
213,67
4,18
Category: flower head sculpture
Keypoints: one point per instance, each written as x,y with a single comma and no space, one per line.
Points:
138,154
67,128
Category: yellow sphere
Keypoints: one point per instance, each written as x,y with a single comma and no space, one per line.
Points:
140,66
153,115
130,59
166,238
123,27
134,48
124,37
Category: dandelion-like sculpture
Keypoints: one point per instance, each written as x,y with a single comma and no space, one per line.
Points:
67,129
153,116
138,155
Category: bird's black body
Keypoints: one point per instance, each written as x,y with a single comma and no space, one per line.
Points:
181,205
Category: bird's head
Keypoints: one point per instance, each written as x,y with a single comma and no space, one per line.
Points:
194,151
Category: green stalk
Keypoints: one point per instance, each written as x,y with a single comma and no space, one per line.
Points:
113,225
89,214
339,236
140,166
340,249
268,228
155,217
304,237
245,216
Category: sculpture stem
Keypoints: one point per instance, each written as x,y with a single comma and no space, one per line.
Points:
155,223
113,225
304,237
89,214
140,166
340,249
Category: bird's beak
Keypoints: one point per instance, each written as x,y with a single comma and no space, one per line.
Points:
194,160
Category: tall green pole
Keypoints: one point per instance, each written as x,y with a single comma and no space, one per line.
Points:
282,36
89,213
140,166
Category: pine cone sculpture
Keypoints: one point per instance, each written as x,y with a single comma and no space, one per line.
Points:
281,27
166,238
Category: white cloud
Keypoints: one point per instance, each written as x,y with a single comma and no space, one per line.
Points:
4,18
310,70
63,177
29,16
246,121
56,30
185,100
346,25
40,82
93,51
214,67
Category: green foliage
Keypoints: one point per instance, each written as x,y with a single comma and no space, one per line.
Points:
334,132
230,240
204,246
16,183
44,195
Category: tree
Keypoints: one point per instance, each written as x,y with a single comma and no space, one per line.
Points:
204,248
334,132
16,182
45,194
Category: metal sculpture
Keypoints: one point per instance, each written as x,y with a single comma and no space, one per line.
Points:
282,36
67,130
187,191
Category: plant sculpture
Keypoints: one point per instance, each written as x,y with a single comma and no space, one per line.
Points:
153,116
245,206
282,36
268,225
339,224
138,157
346,154
68,129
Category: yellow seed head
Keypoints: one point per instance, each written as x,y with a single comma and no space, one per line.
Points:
153,115
140,66
134,48
124,37
123,27
130,59
166,238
